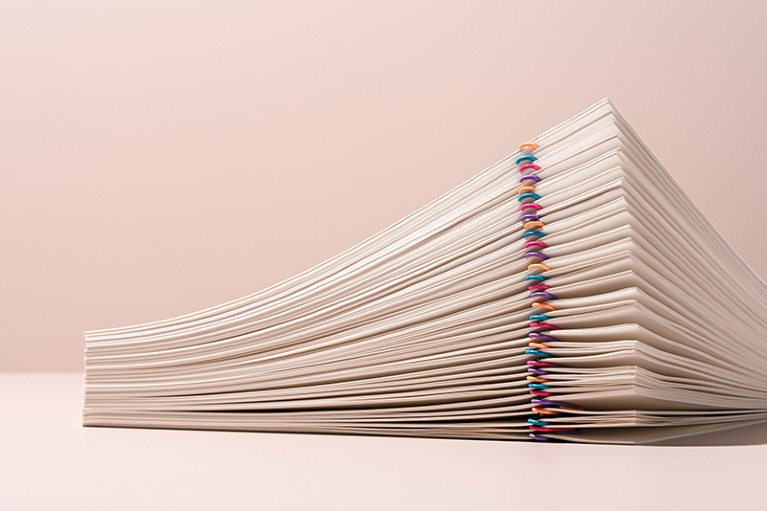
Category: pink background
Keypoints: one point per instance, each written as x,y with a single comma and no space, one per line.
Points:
161,157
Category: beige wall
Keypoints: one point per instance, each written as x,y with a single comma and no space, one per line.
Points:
161,157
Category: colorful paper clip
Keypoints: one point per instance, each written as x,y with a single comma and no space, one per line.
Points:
539,327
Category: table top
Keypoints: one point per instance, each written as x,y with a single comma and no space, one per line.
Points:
49,461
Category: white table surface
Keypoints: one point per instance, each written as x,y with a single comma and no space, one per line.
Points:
49,461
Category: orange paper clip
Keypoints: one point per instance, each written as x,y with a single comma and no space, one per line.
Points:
534,223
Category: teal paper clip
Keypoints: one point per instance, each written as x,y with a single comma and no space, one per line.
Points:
528,195
527,157
538,353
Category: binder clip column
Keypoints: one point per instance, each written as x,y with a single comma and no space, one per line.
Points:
544,404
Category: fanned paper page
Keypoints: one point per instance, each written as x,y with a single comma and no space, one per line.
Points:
571,292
